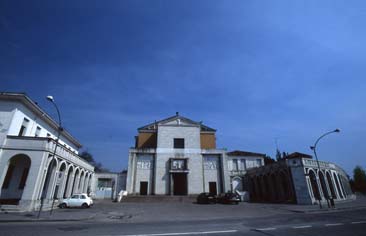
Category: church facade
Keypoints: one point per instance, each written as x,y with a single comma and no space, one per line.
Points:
178,156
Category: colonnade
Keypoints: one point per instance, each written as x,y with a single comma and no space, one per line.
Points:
64,179
327,184
52,178
274,187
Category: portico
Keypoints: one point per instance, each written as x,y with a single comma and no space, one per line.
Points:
29,170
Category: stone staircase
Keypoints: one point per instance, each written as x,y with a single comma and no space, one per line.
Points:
158,198
10,208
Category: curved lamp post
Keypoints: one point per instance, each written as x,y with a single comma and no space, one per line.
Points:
59,130
316,157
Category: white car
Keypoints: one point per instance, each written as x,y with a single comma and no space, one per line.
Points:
77,200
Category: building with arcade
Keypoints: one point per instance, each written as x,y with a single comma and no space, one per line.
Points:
29,172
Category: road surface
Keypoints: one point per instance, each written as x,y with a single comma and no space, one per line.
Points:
333,223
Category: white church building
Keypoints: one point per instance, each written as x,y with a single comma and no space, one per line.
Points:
178,156
29,171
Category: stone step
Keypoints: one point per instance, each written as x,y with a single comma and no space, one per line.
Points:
159,198
10,208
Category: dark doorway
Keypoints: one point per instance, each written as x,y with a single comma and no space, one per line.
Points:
212,187
15,180
180,184
143,188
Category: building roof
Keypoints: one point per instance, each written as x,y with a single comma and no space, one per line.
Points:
298,155
244,153
153,126
33,106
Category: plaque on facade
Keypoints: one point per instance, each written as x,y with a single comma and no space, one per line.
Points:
144,163
178,164
210,163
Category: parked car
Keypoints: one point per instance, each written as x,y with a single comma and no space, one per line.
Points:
228,198
206,198
77,200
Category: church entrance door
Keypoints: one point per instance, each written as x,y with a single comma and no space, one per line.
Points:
180,184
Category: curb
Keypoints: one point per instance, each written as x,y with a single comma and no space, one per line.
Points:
47,220
41,220
328,209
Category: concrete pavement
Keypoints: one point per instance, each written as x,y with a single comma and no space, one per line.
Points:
130,212
348,223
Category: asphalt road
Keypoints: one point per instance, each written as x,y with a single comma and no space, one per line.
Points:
333,223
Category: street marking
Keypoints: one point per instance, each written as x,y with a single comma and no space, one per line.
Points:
335,224
183,233
358,222
302,227
266,229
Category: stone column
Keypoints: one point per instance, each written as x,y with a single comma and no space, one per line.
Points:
310,188
134,166
76,184
53,184
81,188
320,189
70,185
62,185
171,190
335,185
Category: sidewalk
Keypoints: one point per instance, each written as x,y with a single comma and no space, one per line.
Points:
129,212
45,216
359,203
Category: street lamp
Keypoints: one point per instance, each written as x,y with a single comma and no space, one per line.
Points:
316,157
59,130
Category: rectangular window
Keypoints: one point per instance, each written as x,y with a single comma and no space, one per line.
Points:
23,128
38,131
242,164
7,179
235,164
259,162
24,178
179,143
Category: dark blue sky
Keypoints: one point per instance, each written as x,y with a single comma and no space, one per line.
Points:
254,70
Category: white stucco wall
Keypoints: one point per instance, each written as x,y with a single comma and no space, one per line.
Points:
165,151
250,162
144,171
21,112
166,135
211,171
7,110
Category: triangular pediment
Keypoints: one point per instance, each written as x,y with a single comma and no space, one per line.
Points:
179,121
176,120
